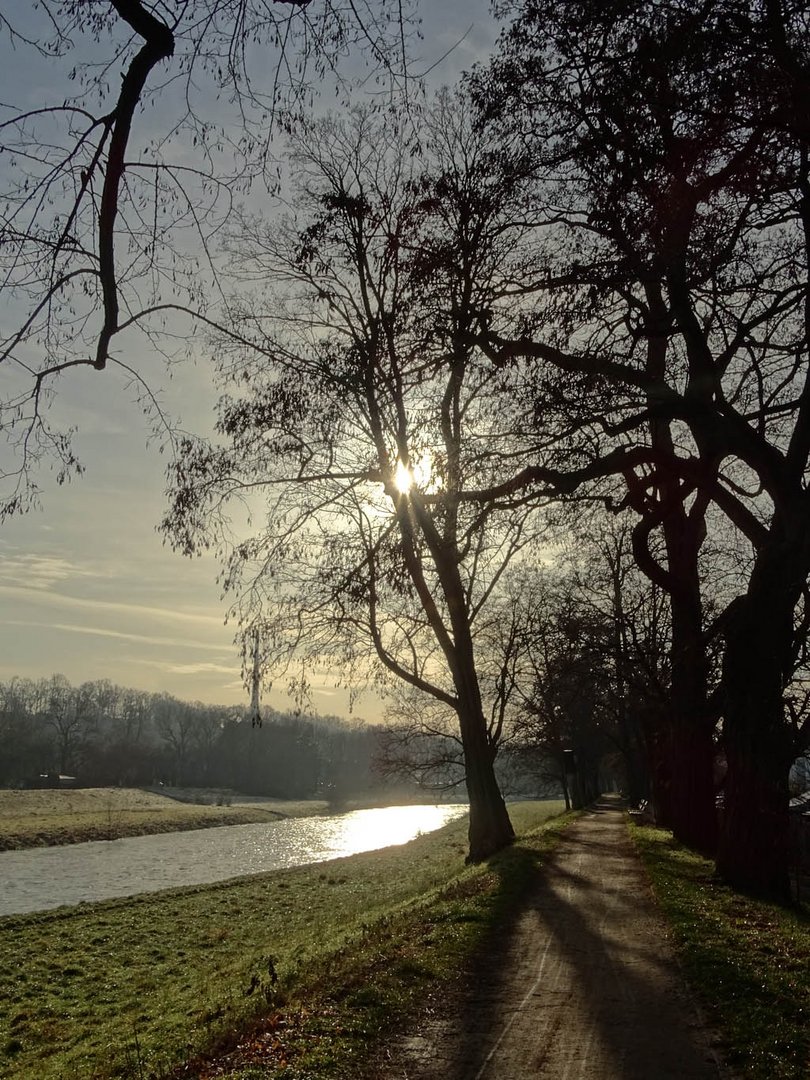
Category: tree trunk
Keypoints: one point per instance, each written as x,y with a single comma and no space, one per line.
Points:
490,828
753,852
692,806
566,794
660,770
693,817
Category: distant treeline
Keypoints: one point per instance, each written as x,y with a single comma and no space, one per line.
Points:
103,734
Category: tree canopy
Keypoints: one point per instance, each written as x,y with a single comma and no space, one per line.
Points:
676,158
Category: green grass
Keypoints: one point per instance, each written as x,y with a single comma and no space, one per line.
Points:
130,988
748,960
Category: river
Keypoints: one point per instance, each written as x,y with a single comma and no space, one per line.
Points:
42,878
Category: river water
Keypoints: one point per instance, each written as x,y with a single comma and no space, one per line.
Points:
42,878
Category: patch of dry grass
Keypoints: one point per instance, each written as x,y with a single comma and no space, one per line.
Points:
34,818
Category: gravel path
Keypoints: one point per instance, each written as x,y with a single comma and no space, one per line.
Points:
583,985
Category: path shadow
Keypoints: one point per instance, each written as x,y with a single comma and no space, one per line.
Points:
616,985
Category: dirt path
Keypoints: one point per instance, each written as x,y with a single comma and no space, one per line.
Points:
584,985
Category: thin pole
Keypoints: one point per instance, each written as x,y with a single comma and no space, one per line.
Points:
255,711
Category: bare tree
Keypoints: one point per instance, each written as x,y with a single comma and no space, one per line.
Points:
114,191
680,153
69,713
421,743
361,413
177,724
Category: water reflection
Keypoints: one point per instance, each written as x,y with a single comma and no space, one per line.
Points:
366,830
100,870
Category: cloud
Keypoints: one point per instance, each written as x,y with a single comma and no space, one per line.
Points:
57,599
144,639
39,572
201,668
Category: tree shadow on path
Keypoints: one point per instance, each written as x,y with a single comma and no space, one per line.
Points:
578,981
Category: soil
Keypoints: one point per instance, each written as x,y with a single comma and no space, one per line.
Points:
583,984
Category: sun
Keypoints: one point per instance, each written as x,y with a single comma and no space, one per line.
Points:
418,475
403,478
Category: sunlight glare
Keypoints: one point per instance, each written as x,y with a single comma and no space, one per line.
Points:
367,830
403,478
419,475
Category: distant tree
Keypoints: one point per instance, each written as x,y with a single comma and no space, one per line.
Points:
133,738
205,738
24,750
632,644
176,722
420,743
70,715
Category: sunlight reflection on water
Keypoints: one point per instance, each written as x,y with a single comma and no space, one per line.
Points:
44,878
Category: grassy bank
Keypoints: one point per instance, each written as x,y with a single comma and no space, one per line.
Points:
36,818
748,960
328,955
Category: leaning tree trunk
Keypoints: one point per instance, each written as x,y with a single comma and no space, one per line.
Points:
490,828
753,852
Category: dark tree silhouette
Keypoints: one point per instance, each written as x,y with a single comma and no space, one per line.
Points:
679,149
114,191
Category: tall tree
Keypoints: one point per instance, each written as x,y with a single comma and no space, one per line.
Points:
679,142
358,405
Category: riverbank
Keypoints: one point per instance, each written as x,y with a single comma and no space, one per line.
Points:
43,879
131,988
46,818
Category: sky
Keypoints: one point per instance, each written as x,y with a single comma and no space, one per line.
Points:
87,587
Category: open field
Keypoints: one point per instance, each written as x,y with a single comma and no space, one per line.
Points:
34,818
748,960
131,988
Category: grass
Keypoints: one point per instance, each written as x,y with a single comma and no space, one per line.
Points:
748,960
328,955
35,818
